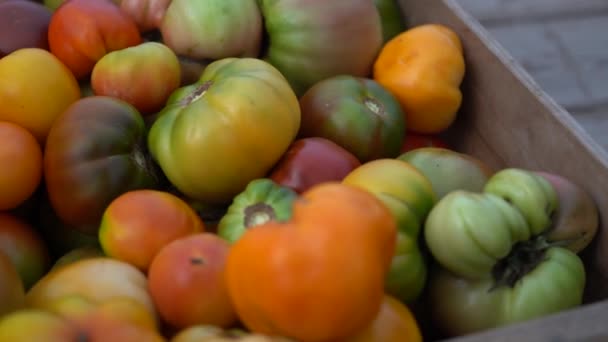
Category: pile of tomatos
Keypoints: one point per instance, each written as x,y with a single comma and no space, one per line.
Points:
270,170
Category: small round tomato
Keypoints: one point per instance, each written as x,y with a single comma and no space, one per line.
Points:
102,27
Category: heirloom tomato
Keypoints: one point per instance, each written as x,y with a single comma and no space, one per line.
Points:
261,201
83,31
356,113
94,153
299,278
423,67
409,196
495,265
309,41
35,88
310,161
215,136
391,18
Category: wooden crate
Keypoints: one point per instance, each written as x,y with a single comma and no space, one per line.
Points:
507,120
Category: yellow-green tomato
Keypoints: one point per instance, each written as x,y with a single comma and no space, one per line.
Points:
215,136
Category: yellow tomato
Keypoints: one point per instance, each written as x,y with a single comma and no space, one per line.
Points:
394,323
35,87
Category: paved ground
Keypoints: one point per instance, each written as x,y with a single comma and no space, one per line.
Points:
563,44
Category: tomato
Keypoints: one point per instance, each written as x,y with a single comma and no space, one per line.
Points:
427,84
35,88
23,153
299,278
23,24
213,29
449,170
413,141
391,17
310,161
187,282
313,40
94,153
261,201
409,195
12,292
147,14
143,75
229,128
394,323
102,27
495,266
147,219
96,279
25,247
356,113
462,305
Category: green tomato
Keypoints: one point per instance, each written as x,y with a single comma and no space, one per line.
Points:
232,126
461,306
313,40
356,113
262,200
392,20
529,192
469,232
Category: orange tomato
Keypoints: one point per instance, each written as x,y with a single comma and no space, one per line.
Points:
423,68
21,160
35,88
82,31
394,323
138,223
300,279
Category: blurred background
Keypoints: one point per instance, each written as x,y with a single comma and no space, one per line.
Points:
563,44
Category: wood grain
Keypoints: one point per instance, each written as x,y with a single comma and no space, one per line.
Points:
507,119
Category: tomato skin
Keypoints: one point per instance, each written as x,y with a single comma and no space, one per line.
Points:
310,161
391,18
95,152
462,306
83,31
215,136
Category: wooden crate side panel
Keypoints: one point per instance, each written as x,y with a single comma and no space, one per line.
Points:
517,123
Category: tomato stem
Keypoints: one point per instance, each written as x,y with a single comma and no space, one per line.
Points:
525,256
258,213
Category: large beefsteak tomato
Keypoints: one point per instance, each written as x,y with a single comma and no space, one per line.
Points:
215,136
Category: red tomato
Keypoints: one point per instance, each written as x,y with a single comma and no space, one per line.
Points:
83,31
415,140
